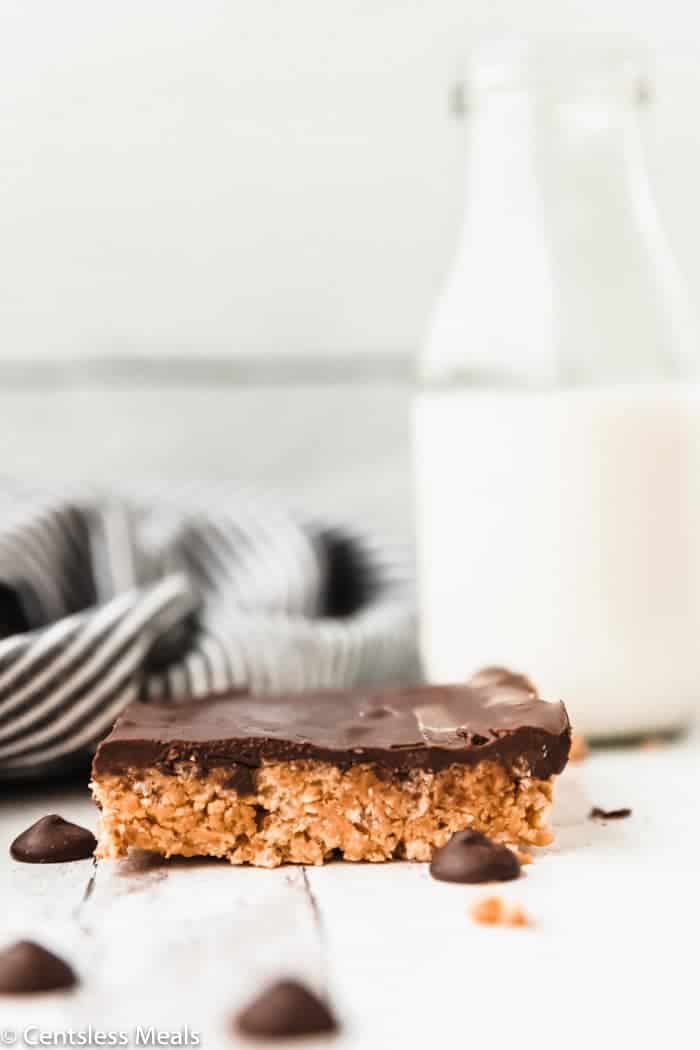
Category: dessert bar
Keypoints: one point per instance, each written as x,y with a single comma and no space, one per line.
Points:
359,775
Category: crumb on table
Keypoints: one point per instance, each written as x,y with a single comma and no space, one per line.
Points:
609,814
494,911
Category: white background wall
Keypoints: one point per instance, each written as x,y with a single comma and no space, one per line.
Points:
197,176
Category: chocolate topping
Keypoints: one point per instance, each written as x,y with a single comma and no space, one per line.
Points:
421,727
501,678
285,1009
53,840
470,856
26,967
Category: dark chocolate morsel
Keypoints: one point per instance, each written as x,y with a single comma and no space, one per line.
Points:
428,727
470,856
285,1009
53,840
26,967
609,814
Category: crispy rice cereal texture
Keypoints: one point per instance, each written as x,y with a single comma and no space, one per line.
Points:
310,811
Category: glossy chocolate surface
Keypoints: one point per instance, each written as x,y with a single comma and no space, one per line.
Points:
421,727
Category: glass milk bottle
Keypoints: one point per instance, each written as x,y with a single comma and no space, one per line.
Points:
556,437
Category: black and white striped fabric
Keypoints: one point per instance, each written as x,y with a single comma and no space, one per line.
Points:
176,593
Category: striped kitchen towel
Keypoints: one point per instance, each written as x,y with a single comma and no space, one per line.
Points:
176,592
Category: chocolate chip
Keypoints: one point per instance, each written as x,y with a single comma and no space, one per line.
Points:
285,1009
609,814
53,840
26,967
470,856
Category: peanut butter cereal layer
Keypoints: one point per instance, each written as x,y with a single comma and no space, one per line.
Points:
358,775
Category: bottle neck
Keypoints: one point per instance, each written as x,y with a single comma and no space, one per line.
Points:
562,274
502,255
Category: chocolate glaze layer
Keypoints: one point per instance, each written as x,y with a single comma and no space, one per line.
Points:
421,727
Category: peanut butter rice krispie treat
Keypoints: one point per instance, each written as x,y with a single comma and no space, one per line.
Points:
359,775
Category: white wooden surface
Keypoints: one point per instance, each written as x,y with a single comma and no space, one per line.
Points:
611,953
